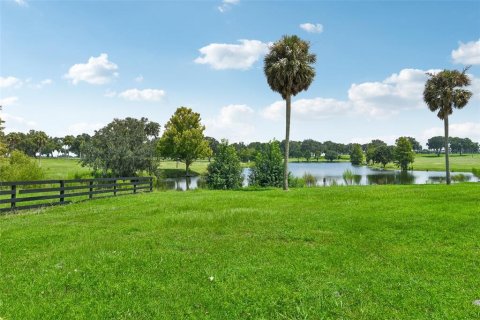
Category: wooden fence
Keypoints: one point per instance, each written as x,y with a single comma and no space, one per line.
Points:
54,192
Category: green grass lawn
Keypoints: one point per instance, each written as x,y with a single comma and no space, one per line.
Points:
376,252
432,162
62,168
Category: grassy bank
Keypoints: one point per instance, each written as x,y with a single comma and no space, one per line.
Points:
432,162
384,252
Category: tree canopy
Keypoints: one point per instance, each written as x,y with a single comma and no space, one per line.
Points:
225,172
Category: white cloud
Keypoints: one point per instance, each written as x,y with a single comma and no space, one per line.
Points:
8,101
98,70
83,127
22,3
221,56
234,123
307,109
43,83
139,78
467,53
312,28
12,121
142,95
6,82
227,5
463,130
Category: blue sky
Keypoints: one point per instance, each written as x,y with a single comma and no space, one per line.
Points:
68,67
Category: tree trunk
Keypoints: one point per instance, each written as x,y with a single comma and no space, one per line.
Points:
187,166
287,143
447,162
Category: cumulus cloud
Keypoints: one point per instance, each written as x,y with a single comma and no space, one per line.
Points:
10,82
142,95
8,101
98,70
312,28
139,78
221,56
467,53
463,130
43,83
378,99
22,3
227,5
234,122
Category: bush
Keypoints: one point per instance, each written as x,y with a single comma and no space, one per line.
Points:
331,155
20,167
267,170
225,172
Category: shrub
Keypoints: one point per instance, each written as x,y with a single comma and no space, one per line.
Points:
267,170
225,172
331,155
20,167
309,179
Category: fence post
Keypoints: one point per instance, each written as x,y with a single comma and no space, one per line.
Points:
62,191
134,181
114,187
151,184
90,196
13,196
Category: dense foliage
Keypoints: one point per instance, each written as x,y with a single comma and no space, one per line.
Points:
403,154
267,170
331,155
122,148
19,166
225,172
356,155
183,138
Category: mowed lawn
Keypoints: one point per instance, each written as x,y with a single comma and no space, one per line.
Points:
432,162
372,252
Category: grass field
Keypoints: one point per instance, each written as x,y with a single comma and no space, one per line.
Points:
432,162
378,252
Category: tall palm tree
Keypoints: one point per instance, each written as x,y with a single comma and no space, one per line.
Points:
289,70
443,92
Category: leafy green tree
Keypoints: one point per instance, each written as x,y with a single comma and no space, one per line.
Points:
417,147
213,144
3,146
122,148
289,70
225,172
383,155
79,143
68,142
183,138
19,166
267,170
331,155
403,154
356,154
436,144
443,92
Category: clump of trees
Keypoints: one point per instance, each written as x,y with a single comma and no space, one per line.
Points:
183,138
225,172
403,154
122,148
356,154
268,168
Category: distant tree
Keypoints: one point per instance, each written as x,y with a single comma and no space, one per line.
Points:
267,170
436,144
331,155
417,147
383,155
443,92
183,138
309,147
403,154
68,142
225,172
3,145
79,143
122,148
356,155
289,69
213,144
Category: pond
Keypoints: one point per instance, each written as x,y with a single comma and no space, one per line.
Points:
328,174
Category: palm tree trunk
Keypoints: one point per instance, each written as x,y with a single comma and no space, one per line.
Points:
447,162
287,143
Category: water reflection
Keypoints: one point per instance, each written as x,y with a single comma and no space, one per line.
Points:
332,174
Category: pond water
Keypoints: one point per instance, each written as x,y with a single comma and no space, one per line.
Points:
328,174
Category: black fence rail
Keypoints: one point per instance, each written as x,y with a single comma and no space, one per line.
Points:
14,194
